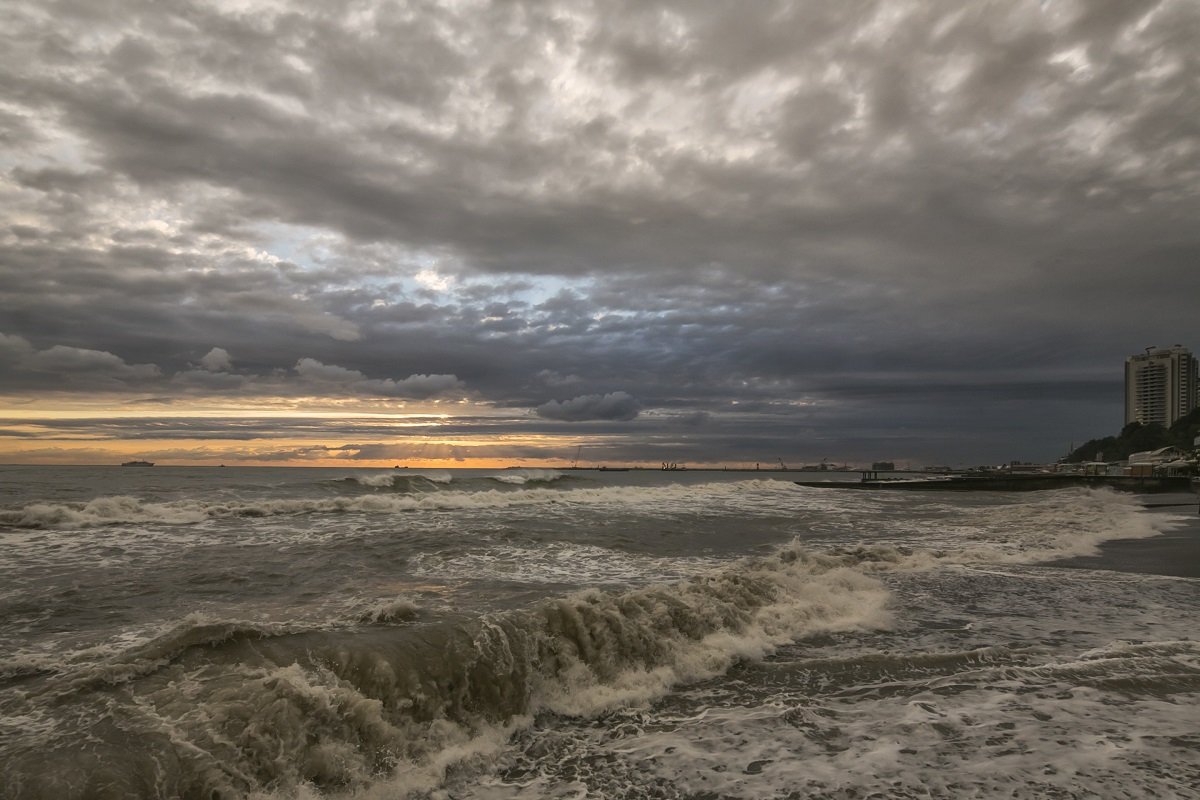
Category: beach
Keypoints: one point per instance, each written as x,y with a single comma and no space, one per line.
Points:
1174,552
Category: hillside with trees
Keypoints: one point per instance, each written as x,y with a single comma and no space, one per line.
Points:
1136,437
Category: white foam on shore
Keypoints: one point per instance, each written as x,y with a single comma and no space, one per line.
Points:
1019,529
983,723
1033,730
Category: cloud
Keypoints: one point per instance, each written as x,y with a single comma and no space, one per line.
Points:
70,361
14,348
64,367
613,406
414,386
313,370
817,211
217,360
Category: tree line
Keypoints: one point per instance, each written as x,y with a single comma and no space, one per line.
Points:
1136,437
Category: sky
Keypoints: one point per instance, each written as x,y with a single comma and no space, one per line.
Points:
536,232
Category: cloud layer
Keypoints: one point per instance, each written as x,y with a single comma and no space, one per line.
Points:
900,229
613,406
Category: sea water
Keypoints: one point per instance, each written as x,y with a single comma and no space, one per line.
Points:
236,632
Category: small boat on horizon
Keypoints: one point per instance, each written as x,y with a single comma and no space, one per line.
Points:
137,464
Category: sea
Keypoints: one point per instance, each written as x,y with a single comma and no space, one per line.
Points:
510,634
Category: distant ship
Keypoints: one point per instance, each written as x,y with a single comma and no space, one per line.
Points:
137,464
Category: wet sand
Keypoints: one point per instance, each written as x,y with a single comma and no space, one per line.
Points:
1176,552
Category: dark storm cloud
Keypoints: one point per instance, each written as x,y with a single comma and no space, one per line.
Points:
72,365
613,406
857,219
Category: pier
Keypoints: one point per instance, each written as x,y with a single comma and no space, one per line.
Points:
1010,483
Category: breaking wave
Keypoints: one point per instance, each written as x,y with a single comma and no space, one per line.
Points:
520,477
425,480
225,709
402,480
1038,527
125,509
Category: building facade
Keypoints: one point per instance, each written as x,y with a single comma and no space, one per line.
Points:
1161,385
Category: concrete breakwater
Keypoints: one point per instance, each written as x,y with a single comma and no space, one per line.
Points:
1011,483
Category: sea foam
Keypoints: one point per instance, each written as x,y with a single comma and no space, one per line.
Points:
229,708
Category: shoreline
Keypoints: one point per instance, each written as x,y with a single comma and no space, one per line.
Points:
1174,553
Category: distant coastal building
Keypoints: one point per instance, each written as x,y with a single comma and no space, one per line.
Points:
1160,385
1163,461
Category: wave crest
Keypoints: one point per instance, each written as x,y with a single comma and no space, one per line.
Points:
229,709
520,477
117,510
401,479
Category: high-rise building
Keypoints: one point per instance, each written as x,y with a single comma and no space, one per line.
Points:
1161,385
